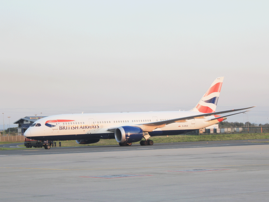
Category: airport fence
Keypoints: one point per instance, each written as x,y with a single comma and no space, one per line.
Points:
12,138
235,130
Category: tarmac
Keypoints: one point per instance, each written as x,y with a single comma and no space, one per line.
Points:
198,171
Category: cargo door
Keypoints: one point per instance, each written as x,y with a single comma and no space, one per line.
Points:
192,123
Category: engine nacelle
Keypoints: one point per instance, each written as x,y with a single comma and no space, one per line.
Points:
128,134
89,141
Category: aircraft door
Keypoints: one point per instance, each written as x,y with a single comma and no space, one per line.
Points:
50,127
55,129
93,126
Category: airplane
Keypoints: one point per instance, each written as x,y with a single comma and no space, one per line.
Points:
129,127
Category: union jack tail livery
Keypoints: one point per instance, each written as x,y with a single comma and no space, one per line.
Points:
209,101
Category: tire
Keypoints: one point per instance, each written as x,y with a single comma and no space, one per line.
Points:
150,142
142,143
129,144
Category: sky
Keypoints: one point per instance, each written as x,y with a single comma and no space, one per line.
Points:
63,56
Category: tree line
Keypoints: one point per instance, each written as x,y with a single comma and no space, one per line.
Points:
226,124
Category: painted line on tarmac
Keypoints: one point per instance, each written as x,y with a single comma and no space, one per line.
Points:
30,150
196,170
34,168
114,176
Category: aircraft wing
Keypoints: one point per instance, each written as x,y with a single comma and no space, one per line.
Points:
159,124
148,127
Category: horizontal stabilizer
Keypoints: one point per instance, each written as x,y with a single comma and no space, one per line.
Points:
221,117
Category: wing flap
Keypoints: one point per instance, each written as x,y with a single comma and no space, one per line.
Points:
221,117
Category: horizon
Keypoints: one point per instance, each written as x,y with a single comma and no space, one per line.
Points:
101,56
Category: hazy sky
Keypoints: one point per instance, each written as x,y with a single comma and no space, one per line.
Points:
111,56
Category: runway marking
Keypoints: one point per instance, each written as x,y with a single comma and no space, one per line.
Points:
196,170
34,168
31,150
142,167
114,176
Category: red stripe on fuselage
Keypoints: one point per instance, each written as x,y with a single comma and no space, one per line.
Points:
214,89
59,120
204,109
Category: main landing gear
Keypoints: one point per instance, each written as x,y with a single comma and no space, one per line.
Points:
146,142
125,144
142,143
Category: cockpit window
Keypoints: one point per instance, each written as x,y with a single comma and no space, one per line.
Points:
33,125
38,125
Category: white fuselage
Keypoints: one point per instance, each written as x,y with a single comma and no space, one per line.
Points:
78,126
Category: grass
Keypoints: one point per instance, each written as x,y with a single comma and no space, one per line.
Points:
179,138
208,137
169,139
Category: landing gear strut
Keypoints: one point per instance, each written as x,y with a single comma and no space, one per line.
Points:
46,146
125,144
146,142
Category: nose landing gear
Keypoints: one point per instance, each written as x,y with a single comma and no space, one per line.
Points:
46,146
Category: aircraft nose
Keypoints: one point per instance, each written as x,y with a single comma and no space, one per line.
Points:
27,133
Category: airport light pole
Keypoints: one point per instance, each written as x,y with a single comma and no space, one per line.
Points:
3,123
8,125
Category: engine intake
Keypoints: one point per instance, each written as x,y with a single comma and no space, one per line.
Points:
128,134
88,141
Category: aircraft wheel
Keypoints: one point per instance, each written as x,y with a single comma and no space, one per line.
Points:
129,144
123,144
150,142
142,143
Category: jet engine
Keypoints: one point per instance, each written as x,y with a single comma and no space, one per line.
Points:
88,141
128,134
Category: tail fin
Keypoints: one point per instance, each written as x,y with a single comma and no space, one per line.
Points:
209,101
